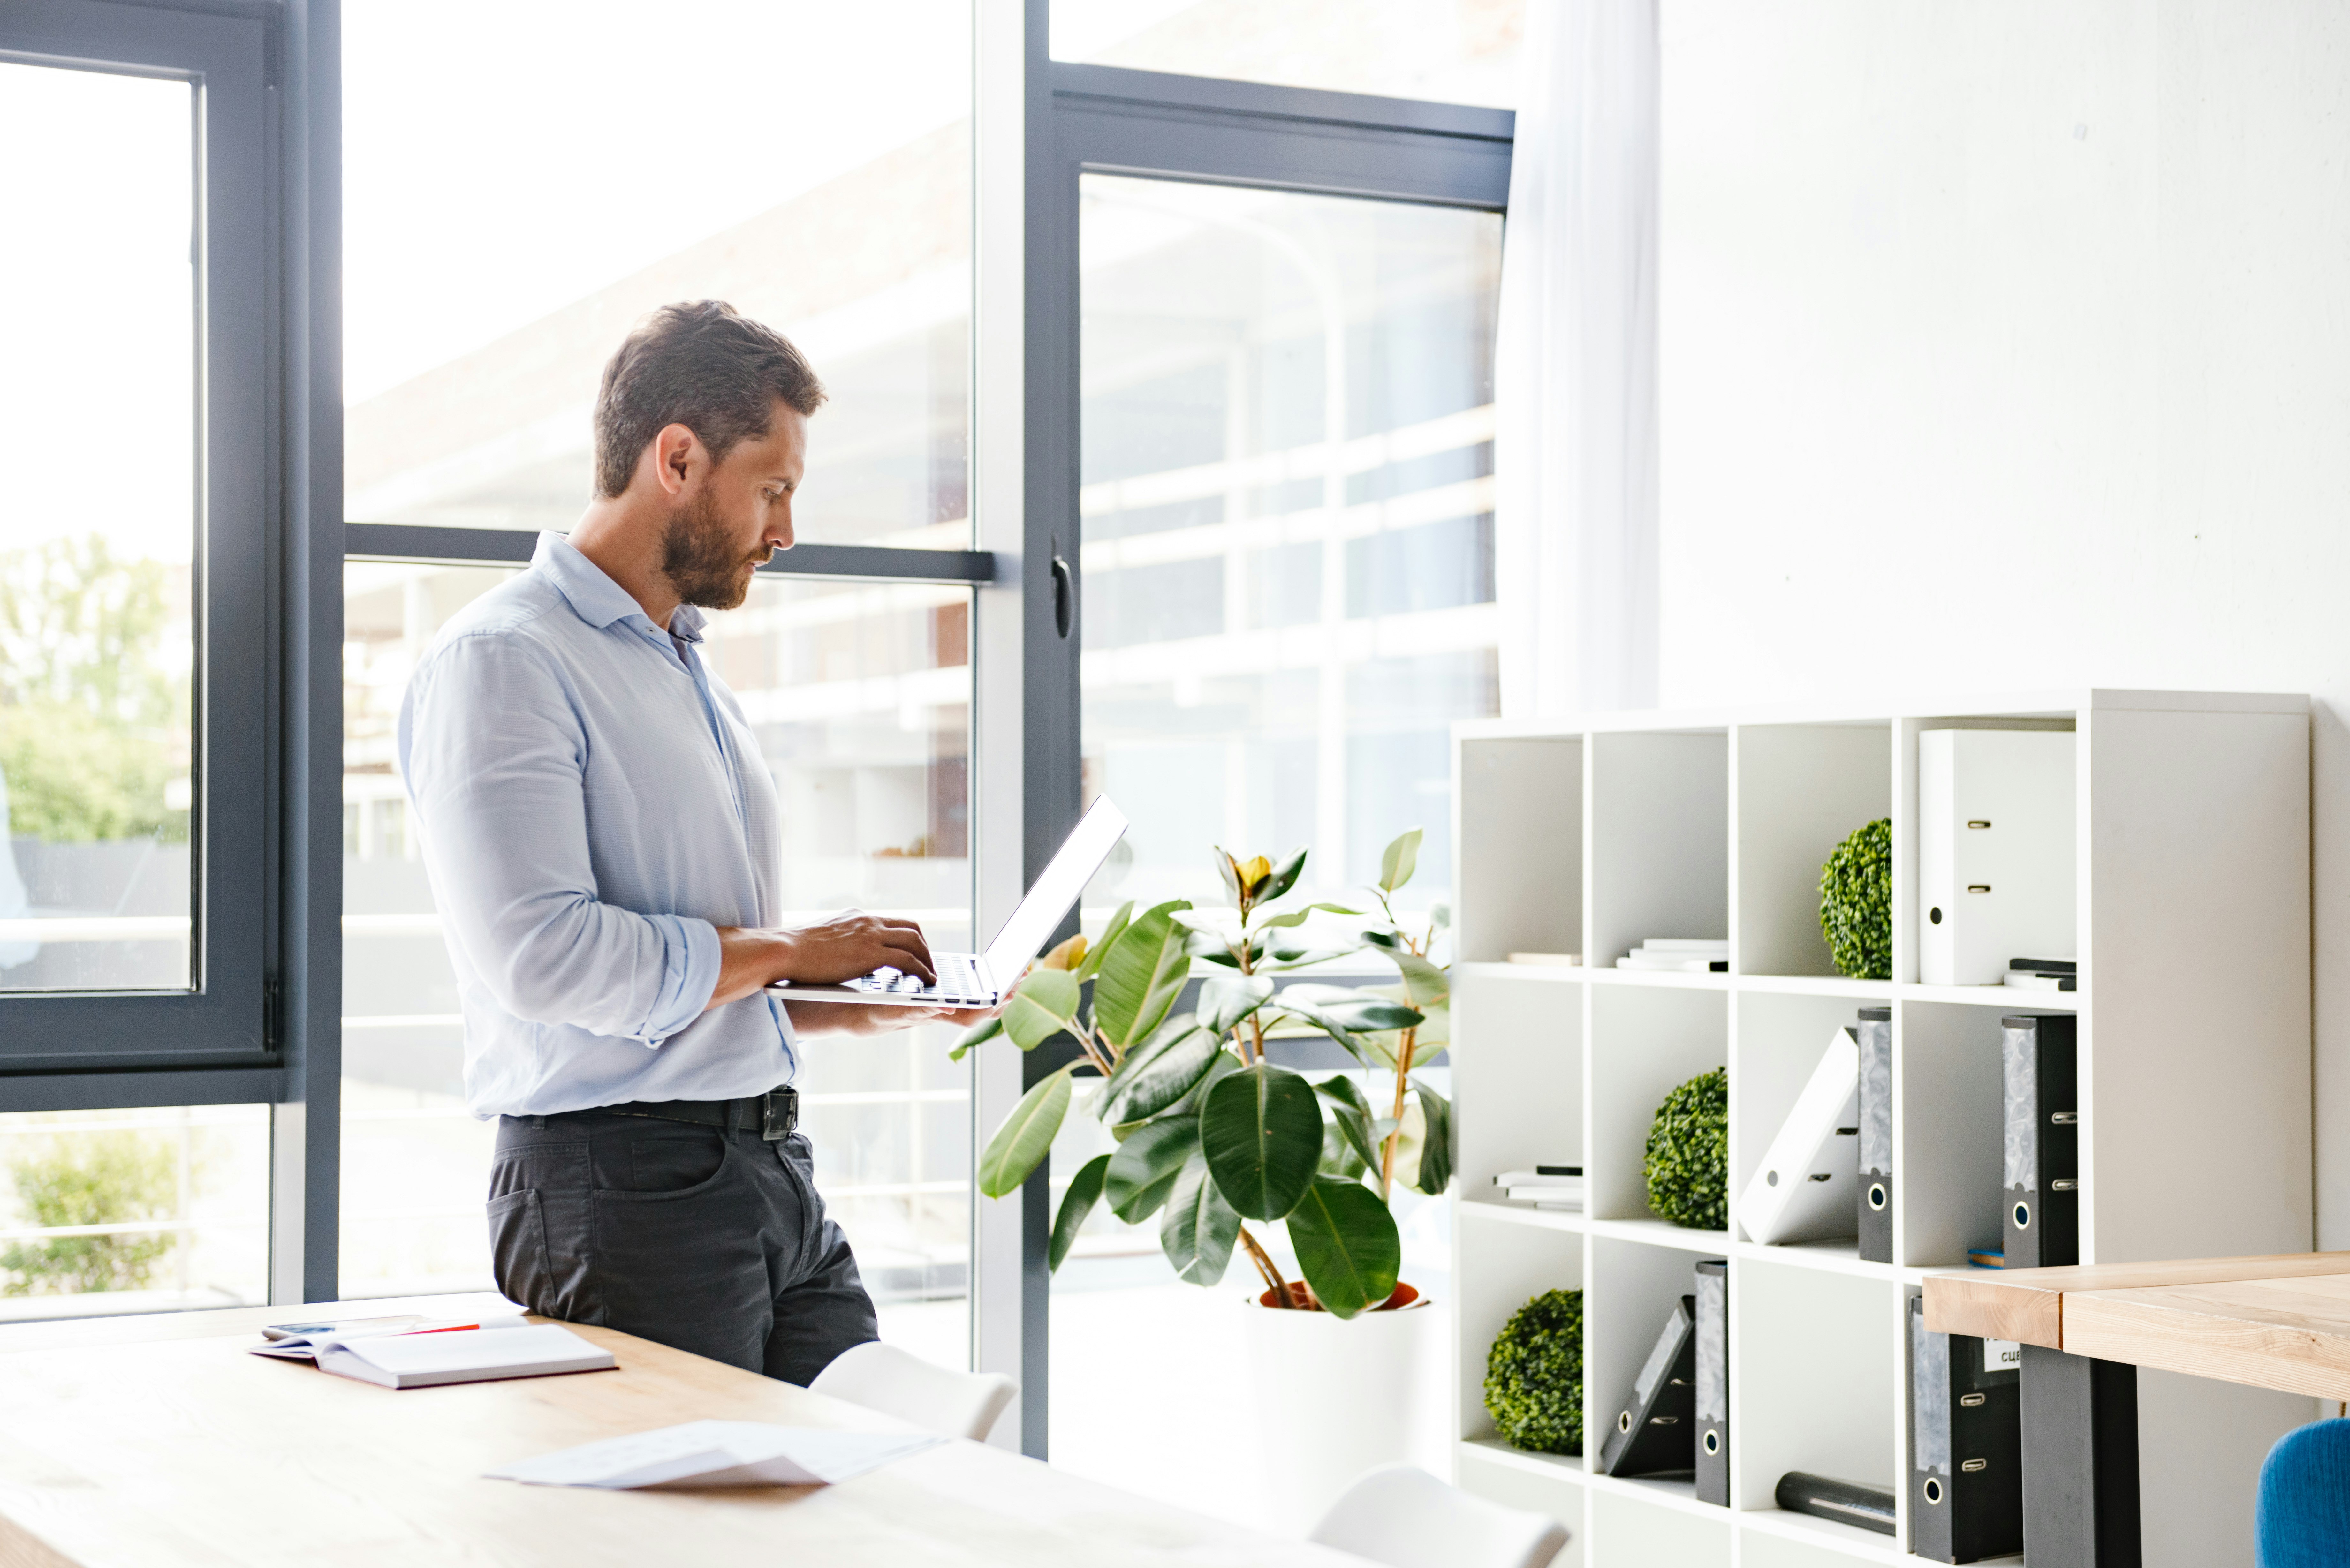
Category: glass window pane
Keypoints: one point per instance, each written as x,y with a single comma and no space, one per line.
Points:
1452,51
1286,409
822,186
97,633
860,694
160,1210
1287,513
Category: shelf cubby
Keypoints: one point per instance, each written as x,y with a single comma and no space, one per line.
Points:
1631,1528
1814,1373
1529,1096
1492,1282
1631,1294
1517,810
1588,836
1659,838
1947,1116
1779,1041
1647,1041
1800,790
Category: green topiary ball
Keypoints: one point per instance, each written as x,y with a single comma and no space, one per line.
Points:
1857,902
1687,1160
1533,1375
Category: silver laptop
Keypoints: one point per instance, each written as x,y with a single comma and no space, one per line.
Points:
981,980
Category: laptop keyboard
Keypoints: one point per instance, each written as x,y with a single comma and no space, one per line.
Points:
958,982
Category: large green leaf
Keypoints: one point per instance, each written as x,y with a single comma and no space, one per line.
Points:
1262,1134
1045,1005
1425,985
1198,1228
1109,937
1346,1015
1347,1245
1225,1000
1436,1152
1401,858
1142,976
987,1028
1022,1142
1143,1170
1085,1191
1284,877
1338,1156
1222,1064
1352,1112
1158,1071
1298,917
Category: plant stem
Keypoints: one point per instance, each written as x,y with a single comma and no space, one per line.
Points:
1403,1083
1268,1268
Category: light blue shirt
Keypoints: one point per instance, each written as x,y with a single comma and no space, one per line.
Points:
593,807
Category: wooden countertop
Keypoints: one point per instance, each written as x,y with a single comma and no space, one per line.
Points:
118,1449
2278,1322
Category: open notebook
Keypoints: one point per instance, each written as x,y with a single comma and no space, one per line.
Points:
418,1354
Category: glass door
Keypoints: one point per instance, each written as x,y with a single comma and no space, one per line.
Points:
1285,499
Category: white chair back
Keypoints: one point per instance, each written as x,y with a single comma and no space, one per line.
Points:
885,1378
1404,1517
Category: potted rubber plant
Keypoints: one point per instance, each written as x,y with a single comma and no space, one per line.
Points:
1214,1137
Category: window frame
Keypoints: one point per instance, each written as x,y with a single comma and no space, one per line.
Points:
222,1020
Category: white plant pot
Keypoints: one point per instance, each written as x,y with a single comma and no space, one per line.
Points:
1337,1397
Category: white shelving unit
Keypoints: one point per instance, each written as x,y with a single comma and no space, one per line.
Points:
1590,835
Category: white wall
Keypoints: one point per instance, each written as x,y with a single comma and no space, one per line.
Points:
2008,343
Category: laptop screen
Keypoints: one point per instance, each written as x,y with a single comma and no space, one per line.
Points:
1063,878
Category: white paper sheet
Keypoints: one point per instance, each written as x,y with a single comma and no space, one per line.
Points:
719,1454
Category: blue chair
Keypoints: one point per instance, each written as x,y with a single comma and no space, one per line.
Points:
2304,1508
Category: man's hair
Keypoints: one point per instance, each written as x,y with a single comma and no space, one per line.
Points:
703,364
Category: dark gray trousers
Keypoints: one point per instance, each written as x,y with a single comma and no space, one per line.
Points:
710,1240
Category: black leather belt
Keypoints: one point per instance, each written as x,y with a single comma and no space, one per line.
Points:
776,1113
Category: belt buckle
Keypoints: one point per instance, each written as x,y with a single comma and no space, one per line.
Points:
779,1114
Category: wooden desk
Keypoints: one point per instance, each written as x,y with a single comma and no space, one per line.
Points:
120,1448
2280,1322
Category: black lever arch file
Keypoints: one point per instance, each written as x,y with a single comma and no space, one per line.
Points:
2041,1225
1656,1430
1713,1382
1875,1035
1966,1455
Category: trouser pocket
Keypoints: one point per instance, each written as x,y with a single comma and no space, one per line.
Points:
518,1254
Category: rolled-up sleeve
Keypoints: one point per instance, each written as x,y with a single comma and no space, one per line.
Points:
496,757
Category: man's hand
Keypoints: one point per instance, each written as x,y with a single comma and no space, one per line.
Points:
841,947
810,1018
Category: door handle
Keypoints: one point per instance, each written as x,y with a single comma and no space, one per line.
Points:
1065,591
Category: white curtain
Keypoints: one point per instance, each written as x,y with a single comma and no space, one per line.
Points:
1575,450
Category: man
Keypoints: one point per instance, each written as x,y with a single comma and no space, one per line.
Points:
602,839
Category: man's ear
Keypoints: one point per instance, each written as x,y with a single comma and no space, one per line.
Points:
677,453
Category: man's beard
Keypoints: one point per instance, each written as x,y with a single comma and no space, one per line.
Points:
701,558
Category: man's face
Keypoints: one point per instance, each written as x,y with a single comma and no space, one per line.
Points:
736,517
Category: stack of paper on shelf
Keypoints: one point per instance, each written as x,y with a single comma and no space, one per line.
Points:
2043,974
1691,955
1545,1186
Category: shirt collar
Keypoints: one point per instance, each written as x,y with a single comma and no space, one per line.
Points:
595,597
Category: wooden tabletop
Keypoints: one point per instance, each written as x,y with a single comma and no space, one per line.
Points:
2280,1322
122,1451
